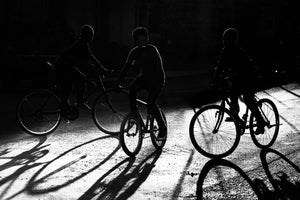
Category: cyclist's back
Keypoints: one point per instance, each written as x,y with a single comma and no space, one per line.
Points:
235,63
148,60
239,65
77,55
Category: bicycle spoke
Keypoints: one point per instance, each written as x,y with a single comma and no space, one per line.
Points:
131,136
39,112
109,110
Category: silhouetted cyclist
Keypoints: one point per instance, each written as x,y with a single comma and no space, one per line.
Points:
73,65
146,58
238,67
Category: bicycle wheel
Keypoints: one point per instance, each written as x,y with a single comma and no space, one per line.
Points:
131,135
39,112
158,144
211,134
270,113
109,110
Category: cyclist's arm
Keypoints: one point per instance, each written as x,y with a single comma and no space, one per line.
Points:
92,59
97,63
219,69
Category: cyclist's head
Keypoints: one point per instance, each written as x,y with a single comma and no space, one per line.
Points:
87,33
140,36
230,36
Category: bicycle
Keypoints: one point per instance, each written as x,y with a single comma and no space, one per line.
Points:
40,111
215,136
134,129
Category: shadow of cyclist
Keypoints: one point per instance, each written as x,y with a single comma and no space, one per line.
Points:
25,161
214,164
126,182
36,182
284,186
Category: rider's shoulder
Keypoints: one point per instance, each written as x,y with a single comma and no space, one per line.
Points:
152,46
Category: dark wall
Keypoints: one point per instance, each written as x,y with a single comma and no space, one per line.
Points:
190,31
187,32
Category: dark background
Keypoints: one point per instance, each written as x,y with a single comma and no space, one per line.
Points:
187,32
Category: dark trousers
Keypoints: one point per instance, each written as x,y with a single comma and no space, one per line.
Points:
68,76
153,93
249,98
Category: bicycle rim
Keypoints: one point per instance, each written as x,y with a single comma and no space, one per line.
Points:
131,135
39,113
268,138
158,144
109,110
210,143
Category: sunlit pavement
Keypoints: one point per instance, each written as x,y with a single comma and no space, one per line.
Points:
78,161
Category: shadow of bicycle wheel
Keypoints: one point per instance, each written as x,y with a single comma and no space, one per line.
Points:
226,191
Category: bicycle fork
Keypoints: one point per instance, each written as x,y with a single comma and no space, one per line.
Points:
220,115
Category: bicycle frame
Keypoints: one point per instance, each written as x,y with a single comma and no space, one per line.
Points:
146,127
97,83
242,121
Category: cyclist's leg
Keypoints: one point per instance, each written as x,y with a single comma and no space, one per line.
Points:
250,101
63,79
235,92
80,82
155,111
133,89
234,97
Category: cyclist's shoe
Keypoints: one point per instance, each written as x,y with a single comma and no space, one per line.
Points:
260,128
83,106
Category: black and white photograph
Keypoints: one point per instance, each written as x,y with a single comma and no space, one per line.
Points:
150,100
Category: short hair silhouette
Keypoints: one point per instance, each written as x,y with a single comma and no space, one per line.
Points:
140,31
230,36
87,32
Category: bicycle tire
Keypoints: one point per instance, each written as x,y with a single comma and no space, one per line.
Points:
32,116
109,109
154,133
270,135
131,122
210,148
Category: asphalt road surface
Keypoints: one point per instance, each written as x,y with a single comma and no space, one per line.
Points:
78,161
